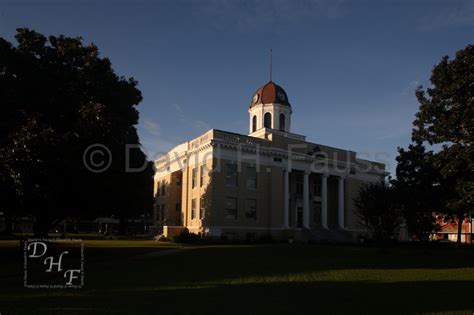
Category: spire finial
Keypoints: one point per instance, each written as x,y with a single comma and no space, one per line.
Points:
270,65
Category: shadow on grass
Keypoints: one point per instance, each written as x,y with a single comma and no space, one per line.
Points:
127,281
326,297
276,298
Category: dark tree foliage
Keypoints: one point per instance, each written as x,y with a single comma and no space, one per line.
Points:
446,118
418,189
376,208
58,97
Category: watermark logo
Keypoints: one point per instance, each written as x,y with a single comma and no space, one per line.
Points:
53,263
97,158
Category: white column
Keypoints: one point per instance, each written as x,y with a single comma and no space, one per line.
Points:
286,199
251,114
306,200
288,122
340,203
276,119
324,201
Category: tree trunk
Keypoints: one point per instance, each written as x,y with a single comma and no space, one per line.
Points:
42,223
460,221
8,224
122,226
41,229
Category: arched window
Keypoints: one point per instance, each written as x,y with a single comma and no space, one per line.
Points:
267,120
254,123
282,122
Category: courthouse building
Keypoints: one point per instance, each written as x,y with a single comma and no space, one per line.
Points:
271,182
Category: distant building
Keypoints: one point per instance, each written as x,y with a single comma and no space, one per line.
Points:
270,182
107,225
448,230
20,225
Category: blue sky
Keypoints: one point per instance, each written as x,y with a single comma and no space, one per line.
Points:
349,68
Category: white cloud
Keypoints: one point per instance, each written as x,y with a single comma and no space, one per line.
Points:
179,112
156,146
247,15
411,88
201,125
395,133
152,127
156,142
178,109
196,123
459,15
375,124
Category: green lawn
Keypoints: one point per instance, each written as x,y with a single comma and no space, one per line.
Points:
127,277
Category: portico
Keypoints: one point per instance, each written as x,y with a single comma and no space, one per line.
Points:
304,199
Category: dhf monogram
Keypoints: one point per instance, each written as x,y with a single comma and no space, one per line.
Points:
53,263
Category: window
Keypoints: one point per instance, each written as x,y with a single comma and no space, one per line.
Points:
230,236
178,207
203,175
157,207
282,122
251,209
194,178
267,120
250,236
158,189
251,177
178,179
299,183
299,217
193,209
231,175
317,213
202,208
317,187
161,189
231,208
161,212
254,123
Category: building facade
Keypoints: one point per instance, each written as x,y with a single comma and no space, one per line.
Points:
270,182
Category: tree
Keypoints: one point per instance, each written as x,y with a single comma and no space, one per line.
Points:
446,118
59,98
418,189
377,211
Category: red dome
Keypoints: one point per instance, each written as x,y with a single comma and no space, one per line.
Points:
270,93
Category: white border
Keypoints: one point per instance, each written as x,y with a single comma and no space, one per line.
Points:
53,286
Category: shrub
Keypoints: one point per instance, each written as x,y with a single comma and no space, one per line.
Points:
162,238
186,238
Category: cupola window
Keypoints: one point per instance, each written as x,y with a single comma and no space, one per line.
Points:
267,120
282,122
